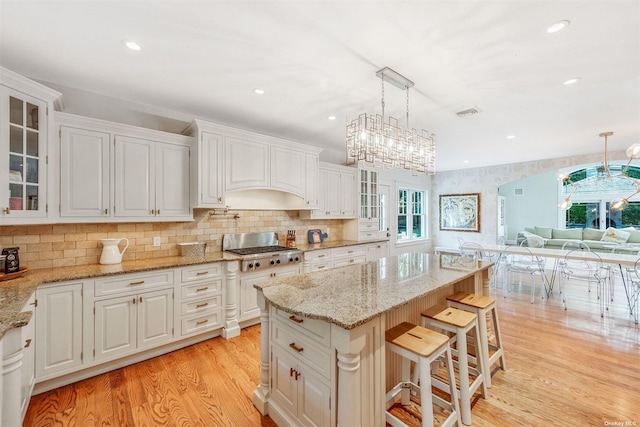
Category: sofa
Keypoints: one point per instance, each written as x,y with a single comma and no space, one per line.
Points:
597,240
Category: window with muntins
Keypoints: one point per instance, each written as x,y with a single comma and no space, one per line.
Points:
411,214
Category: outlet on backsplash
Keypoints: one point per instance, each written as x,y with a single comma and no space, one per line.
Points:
156,241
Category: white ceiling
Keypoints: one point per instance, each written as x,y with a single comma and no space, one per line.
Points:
319,58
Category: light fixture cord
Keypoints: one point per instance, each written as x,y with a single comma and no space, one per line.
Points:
606,157
382,100
407,107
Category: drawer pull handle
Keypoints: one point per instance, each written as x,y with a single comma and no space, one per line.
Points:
201,273
350,252
295,319
27,343
296,348
202,289
320,256
204,304
202,322
291,371
139,282
322,266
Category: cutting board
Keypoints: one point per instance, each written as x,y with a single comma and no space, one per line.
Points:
316,235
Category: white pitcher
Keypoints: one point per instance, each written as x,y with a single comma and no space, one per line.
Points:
110,252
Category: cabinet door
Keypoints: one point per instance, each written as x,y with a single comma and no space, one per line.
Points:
246,164
134,177
58,329
155,318
311,180
23,153
210,164
115,327
287,170
333,194
27,373
172,180
248,295
84,173
314,399
284,388
321,210
347,200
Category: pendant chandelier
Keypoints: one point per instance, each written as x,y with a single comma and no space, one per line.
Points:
389,144
604,173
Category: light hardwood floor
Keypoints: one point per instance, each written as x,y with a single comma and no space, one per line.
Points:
564,368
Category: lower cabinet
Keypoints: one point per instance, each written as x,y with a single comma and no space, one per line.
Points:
28,372
201,303
375,251
129,323
248,295
298,391
58,329
349,255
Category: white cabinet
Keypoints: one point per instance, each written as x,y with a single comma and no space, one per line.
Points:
248,295
336,185
151,178
300,369
201,302
371,223
58,329
28,371
133,322
232,165
84,172
375,251
348,255
24,132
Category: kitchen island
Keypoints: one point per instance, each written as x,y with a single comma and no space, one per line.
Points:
323,359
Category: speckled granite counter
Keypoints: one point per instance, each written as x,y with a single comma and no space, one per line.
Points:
353,295
329,244
15,293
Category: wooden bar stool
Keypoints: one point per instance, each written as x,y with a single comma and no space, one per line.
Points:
460,322
480,305
422,346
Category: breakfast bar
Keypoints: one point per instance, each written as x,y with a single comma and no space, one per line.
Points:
323,359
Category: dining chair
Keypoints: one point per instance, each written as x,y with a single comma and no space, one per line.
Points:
586,266
476,251
633,285
520,260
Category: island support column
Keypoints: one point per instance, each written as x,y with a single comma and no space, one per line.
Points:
261,393
231,328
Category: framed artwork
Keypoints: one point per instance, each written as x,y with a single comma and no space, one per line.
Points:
460,212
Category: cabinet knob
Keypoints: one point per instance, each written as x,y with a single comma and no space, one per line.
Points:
153,211
219,199
7,211
27,343
106,211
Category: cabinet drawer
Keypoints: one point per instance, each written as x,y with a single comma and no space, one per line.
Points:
201,272
317,330
368,226
201,305
302,347
319,266
349,261
211,287
132,282
198,324
368,235
349,252
312,256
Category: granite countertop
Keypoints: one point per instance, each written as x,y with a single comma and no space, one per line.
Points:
329,244
15,293
351,296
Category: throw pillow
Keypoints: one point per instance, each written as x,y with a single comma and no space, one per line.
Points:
543,232
614,235
592,234
635,235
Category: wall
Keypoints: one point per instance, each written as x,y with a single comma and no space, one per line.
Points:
538,204
486,182
44,246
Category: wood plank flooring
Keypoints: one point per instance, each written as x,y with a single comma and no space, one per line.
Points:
569,368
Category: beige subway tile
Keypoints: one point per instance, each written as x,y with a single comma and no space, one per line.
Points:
144,255
47,238
38,247
87,228
47,263
107,228
88,260
40,229
64,228
63,262
73,253
14,230
19,240
26,257
59,246
75,237
89,244
161,254
97,235
145,226
166,233
126,227
51,255
142,241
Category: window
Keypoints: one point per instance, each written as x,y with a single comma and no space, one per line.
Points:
411,214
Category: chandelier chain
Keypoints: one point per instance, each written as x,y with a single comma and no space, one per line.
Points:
382,101
407,107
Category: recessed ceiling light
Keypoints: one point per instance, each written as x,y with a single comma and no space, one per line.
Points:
571,81
558,26
258,91
331,117
465,161
132,45
510,136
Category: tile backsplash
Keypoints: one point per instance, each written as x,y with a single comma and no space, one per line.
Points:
56,245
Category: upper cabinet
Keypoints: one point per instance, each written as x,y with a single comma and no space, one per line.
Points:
232,166
24,132
112,172
336,186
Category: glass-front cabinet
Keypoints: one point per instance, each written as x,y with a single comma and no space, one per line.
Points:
369,203
24,106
